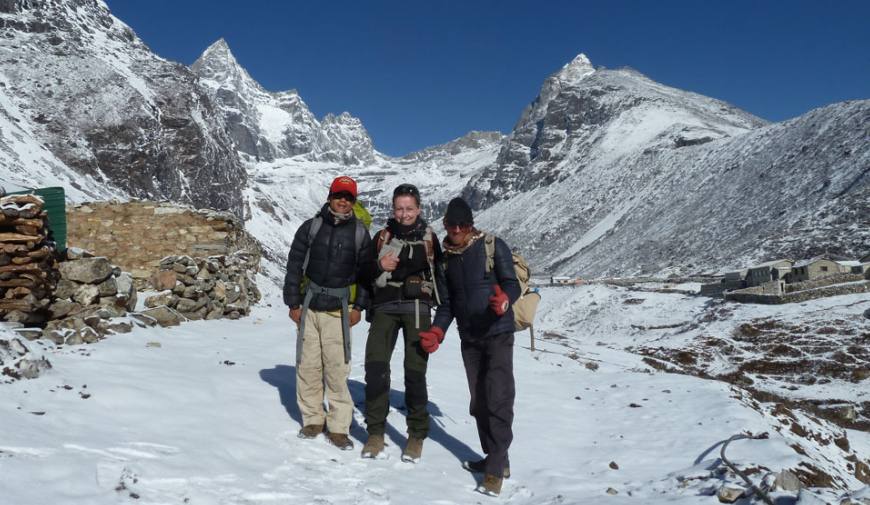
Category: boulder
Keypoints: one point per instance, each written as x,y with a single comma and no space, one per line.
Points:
126,290
87,294
787,481
164,279
63,308
729,494
65,289
86,270
108,287
185,305
120,326
167,298
164,316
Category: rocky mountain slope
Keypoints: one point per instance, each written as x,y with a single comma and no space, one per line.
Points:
78,82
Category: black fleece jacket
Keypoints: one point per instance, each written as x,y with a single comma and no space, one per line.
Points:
333,262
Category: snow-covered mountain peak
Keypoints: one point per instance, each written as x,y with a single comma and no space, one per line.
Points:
575,70
217,68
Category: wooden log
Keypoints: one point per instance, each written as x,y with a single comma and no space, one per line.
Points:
22,305
13,248
19,292
34,276
10,212
27,230
30,267
20,237
21,200
22,260
14,283
40,253
36,223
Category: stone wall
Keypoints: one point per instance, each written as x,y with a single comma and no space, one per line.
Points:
137,235
752,295
824,281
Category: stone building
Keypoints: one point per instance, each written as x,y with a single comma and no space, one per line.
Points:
137,235
769,271
816,268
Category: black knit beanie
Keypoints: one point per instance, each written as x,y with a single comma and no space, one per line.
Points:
458,212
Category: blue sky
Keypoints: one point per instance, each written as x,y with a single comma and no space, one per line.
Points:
422,73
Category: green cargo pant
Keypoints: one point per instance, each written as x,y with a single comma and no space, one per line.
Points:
383,333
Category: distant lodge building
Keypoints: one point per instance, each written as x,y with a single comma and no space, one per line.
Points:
780,276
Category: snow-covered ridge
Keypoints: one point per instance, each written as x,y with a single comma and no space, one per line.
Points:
269,126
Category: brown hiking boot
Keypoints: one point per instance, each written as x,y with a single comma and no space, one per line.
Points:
479,466
491,485
413,450
340,440
310,431
374,446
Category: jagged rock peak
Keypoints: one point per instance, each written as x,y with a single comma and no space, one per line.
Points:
218,65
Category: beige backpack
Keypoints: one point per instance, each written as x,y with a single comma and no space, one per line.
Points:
527,304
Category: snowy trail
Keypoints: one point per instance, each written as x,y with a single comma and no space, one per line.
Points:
209,417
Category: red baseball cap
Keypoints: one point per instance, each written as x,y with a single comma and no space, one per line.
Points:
343,183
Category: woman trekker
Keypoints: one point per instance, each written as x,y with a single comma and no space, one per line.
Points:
403,294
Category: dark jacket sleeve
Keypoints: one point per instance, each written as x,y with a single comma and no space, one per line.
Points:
504,270
443,313
295,259
364,261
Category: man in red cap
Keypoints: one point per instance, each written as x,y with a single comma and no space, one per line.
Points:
329,254
478,271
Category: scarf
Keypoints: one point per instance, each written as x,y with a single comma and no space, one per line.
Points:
449,248
339,218
411,232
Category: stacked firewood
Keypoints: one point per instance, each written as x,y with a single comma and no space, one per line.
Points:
28,267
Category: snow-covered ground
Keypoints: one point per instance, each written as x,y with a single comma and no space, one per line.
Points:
205,413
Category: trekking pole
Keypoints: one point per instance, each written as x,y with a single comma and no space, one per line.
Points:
532,336
752,487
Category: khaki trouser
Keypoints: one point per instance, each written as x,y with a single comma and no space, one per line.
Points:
322,364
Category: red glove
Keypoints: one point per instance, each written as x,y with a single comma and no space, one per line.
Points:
499,301
431,338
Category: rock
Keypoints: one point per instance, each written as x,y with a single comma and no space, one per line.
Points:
233,315
186,279
220,290
164,279
216,312
203,274
867,313
186,305
613,465
126,290
75,253
233,292
192,270
197,314
63,308
86,270
89,335
30,369
180,268
164,316
65,289
787,481
18,347
29,333
729,494
612,491
113,306
179,288
87,294
58,336
142,320
108,287
190,292
167,298
74,338
120,326
93,321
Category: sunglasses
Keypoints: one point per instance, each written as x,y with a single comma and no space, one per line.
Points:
406,189
343,195
460,226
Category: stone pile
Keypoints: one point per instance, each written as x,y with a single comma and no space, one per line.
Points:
90,293
203,288
27,260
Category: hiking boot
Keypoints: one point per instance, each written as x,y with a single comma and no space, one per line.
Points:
413,450
491,485
340,440
311,431
374,446
479,466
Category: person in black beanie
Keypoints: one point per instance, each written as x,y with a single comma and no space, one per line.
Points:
403,293
478,272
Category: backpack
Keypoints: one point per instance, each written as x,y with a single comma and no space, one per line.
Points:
363,221
384,237
527,304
